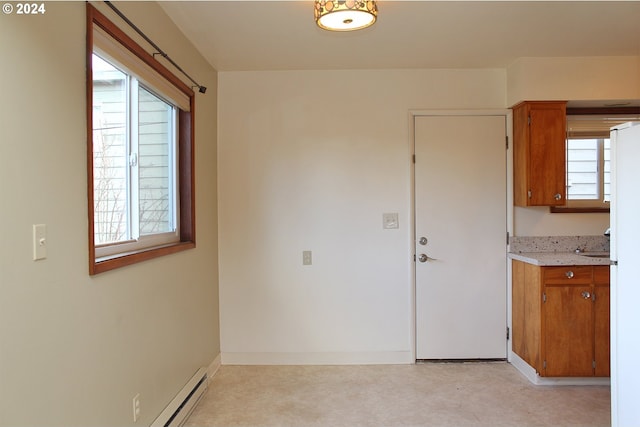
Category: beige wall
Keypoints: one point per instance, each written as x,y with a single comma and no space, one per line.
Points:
75,349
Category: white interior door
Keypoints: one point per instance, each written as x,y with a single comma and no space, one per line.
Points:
460,202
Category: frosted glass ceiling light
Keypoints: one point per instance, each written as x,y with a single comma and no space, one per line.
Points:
345,15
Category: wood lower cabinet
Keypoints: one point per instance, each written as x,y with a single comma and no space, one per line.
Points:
561,319
601,321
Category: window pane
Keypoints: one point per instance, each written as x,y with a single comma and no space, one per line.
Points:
582,169
109,152
155,157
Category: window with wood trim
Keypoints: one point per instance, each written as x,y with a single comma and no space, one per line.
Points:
588,160
588,171
140,152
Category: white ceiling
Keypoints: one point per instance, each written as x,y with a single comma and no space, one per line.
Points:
281,35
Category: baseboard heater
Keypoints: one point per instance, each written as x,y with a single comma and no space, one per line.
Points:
178,410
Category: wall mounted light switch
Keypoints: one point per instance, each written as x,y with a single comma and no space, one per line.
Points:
390,220
39,241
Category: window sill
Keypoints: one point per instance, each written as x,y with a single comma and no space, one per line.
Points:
100,265
573,209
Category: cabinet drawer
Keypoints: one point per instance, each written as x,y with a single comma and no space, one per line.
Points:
601,275
574,274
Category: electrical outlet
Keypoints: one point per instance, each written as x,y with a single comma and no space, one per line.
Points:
306,257
136,407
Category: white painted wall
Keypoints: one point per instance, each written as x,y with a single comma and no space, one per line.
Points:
573,79
75,349
310,161
538,221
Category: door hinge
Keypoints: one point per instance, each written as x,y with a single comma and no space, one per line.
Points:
507,138
529,193
544,297
529,120
544,364
507,238
414,257
414,158
594,364
508,335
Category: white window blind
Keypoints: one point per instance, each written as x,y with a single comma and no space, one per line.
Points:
594,126
118,54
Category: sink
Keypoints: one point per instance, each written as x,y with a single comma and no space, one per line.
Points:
596,255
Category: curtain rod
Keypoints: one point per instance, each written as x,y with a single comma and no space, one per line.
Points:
160,52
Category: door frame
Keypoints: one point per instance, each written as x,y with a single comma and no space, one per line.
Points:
508,114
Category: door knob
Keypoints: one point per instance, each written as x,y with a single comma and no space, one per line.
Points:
558,196
423,241
423,258
586,295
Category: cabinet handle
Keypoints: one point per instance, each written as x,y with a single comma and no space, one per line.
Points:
569,274
558,196
586,295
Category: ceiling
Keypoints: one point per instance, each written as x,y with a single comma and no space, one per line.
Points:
281,35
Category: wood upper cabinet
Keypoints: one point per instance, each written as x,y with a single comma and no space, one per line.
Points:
539,153
561,319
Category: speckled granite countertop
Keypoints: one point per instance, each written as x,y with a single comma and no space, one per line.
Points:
559,250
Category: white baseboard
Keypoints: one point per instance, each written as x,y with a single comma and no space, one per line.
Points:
340,358
213,367
530,373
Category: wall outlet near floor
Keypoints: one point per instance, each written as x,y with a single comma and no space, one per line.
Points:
136,407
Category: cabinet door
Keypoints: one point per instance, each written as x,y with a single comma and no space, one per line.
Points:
526,313
568,331
547,154
601,321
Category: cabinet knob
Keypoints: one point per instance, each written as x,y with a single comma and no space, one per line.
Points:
569,274
586,295
558,196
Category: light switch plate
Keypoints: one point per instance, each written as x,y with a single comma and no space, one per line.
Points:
390,221
39,241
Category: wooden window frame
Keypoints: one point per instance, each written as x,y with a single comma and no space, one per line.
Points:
185,151
587,112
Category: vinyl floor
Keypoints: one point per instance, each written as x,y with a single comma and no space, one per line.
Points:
421,395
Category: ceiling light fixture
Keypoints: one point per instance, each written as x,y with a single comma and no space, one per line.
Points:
345,15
